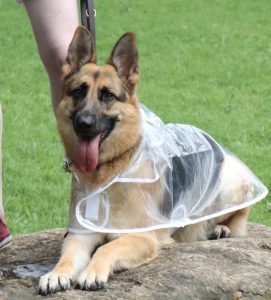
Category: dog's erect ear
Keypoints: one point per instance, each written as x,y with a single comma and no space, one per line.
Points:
124,58
81,51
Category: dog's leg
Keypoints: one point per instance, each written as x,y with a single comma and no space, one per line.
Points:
235,225
123,253
194,232
75,256
236,190
220,232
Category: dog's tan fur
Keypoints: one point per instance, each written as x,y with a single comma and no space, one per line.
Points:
114,251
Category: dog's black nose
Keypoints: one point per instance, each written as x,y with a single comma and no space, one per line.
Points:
84,124
85,120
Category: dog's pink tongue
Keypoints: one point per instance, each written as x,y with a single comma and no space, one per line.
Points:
87,154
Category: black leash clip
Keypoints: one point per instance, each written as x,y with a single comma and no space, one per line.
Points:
67,166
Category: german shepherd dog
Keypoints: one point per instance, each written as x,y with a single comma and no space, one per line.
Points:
99,123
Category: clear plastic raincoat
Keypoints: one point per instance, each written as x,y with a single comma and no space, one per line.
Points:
174,179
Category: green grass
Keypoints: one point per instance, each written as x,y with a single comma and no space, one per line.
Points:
206,63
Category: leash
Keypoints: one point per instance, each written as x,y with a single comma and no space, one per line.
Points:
88,14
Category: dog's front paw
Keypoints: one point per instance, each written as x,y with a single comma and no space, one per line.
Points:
94,276
53,282
220,232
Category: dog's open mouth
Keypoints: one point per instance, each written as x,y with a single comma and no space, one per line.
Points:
87,149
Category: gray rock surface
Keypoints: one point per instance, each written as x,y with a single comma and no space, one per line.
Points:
224,269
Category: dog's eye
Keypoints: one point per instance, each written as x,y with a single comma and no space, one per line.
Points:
80,92
106,95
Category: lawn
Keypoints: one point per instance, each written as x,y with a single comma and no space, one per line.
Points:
206,63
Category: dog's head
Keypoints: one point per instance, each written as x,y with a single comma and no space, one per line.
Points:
98,116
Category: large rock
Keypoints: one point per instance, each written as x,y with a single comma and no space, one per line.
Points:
224,269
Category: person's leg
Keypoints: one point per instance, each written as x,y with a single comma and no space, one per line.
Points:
2,215
53,23
5,237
